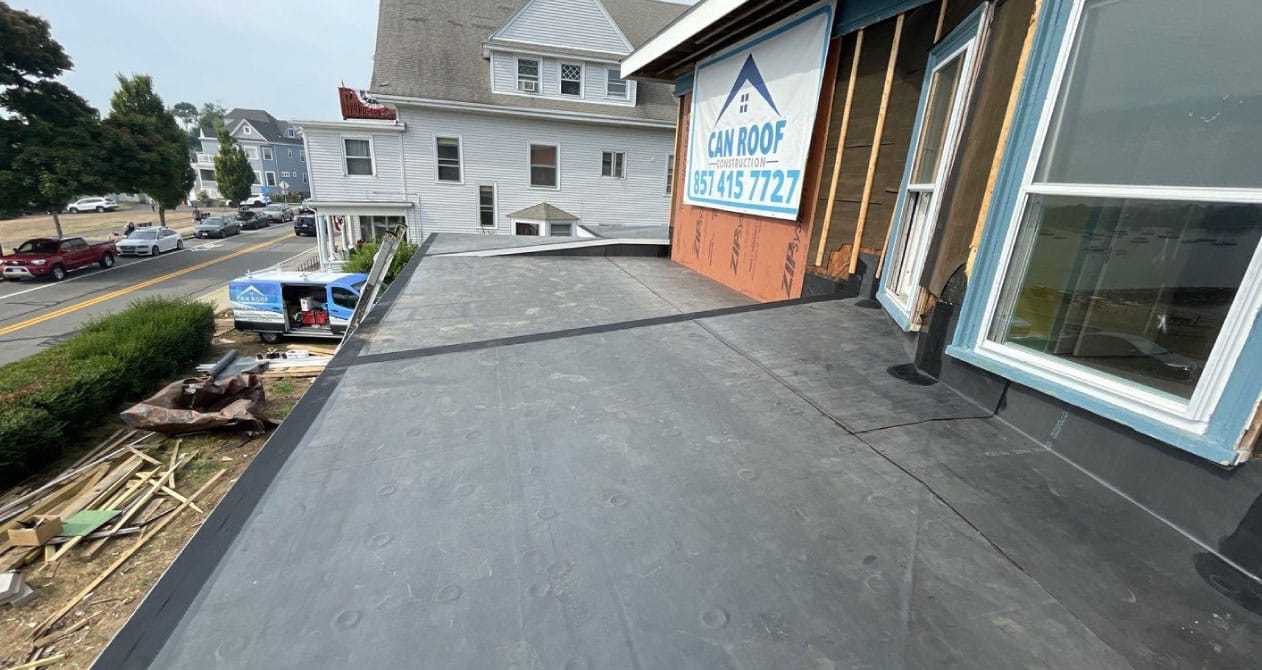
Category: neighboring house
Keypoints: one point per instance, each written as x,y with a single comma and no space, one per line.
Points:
274,148
525,112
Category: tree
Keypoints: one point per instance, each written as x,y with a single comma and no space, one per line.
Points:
186,113
52,137
147,148
233,172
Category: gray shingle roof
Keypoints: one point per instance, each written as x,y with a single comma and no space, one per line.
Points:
433,49
272,129
543,212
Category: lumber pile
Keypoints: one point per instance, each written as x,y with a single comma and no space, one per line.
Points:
114,491
122,492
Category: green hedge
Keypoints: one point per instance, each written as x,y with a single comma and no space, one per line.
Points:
361,259
47,400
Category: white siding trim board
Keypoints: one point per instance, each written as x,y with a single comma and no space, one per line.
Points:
552,115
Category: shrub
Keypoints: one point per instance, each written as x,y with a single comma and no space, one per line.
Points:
361,259
48,399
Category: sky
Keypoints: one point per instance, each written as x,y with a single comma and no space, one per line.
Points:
284,56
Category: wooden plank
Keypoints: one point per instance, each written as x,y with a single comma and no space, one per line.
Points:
1002,144
142,455
114,480
38,664
876,143
937,32
121,522
65,632
123,558
841,150
13,509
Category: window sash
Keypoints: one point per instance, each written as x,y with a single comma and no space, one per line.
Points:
544,165
527,71
615,85
486,206
571,79
1191,415
267,153
612,163
670,173
447,150
358,157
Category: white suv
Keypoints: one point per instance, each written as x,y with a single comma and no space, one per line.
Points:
92,205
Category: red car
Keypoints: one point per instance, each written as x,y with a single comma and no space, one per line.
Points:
49,257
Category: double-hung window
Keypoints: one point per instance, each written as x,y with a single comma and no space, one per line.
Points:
615,85
571,79
486,206
1125,268
939,117
670,173
270,177
358,157
611,164
267,153
528,75
448,152
544,165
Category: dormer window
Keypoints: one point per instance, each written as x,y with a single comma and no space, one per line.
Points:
527,75
615,86
292,132
571,79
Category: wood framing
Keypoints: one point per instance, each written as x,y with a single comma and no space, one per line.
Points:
1002,145
864,203
841,149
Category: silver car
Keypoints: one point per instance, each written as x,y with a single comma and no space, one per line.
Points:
150,242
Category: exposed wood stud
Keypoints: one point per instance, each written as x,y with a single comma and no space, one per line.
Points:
876,144
841,150
937,33
1001,145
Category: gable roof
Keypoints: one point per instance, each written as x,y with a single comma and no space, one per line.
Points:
433,49
543,211
269,127
589,26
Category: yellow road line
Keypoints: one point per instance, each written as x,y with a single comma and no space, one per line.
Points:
134,287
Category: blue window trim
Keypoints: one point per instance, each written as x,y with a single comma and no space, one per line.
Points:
1228,419
967,30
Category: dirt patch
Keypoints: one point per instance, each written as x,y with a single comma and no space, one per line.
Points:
110,604
94,226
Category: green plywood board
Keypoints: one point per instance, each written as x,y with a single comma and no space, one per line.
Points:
86,521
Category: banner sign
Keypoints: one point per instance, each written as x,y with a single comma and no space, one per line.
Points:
753,110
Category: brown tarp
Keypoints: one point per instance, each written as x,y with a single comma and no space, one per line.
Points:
228,402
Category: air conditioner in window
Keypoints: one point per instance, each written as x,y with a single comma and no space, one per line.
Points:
527,86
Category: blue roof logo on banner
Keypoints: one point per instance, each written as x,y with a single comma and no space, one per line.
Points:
749,74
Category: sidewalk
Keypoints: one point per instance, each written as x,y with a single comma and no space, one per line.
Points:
616,463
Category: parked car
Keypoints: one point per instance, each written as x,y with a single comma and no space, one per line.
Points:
250,219
305,225
93,204
217,226
150,242
277,213
47,257
255,201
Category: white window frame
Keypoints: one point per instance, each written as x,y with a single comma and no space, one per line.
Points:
302,155
1191,415
495,207
291,132
619,160
460,158
284,174
252,153
609,78
247,129
919,240
258,178
268,154
537,79
372,157
561,65
530,166
269,176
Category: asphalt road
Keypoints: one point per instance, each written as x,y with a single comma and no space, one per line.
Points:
37,313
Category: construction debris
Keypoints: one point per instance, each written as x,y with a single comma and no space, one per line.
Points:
229,402
14,589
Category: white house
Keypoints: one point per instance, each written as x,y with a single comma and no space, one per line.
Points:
507,111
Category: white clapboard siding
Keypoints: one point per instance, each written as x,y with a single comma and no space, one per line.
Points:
504,79
576,24
328,168
494,150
